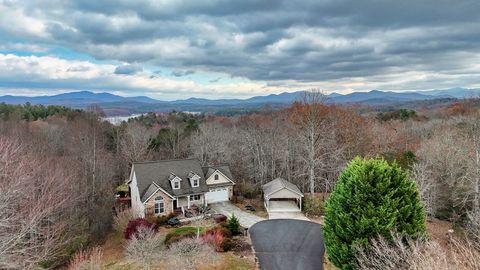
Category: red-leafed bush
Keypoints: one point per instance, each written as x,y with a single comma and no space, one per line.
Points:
214,238
134,224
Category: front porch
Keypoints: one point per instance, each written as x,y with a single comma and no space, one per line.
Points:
182,203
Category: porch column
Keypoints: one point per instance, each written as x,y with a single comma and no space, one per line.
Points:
188,201
205,199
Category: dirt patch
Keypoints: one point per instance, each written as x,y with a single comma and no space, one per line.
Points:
438,230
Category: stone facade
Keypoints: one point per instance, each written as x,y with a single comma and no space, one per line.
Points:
167,202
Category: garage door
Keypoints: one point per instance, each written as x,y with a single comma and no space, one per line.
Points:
217,195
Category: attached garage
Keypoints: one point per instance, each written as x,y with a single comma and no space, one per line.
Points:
282,196
218,194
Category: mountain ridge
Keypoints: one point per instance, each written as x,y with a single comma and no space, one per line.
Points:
82,99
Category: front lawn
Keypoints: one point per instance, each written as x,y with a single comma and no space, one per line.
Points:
182,230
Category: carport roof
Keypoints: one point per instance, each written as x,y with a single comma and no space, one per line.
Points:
278,184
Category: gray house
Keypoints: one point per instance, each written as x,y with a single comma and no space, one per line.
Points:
166,186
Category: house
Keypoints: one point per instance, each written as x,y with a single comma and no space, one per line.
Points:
168,186
282,196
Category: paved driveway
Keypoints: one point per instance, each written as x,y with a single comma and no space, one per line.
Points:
288,244
226,208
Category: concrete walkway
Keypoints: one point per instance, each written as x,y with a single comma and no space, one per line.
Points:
226,208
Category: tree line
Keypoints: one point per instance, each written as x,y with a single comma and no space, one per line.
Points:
67,162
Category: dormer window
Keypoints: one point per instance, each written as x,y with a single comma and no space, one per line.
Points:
175,181
215,177
176,184
194,179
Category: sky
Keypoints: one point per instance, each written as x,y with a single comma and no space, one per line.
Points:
175,49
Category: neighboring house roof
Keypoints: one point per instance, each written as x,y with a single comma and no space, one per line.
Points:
160,173
278,184
225,169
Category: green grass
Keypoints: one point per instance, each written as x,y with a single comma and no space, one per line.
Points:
231,262
188,229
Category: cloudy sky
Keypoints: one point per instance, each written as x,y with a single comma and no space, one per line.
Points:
216,49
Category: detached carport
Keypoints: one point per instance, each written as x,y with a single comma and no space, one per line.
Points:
282,196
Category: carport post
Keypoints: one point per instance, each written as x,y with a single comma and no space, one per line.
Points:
300,204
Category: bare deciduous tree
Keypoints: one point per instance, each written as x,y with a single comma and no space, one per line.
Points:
316,135
34,202
190,253
427,187
400,253
134,142
145,247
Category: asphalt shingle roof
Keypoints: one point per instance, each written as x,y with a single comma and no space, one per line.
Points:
159,172
225,169
278,184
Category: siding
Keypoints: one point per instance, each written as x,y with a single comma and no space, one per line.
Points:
137,204
221,179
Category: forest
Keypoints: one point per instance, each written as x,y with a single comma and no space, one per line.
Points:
60,167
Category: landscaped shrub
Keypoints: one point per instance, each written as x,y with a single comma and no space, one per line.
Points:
173,237
234,225
313,206
225,231
219,218
173,221
214,238
372,198
227,244
240,247
163,220
133,226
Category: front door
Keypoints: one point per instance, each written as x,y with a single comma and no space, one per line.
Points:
175,204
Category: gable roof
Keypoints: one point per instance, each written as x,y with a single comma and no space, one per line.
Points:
159,172
224,169
278,184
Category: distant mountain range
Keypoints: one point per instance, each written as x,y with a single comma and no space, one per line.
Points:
118,105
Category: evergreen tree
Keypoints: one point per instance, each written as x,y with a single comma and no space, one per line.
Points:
371,198
234,225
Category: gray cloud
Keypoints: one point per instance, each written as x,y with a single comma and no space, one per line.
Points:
180,73
302,41
128,69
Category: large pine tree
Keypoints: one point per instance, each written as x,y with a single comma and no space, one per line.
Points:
371,198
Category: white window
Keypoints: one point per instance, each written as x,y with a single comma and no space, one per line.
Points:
176,184
195,197
216,177
159,206
195,182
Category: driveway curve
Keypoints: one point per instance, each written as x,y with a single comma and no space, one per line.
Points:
288,244
246,219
